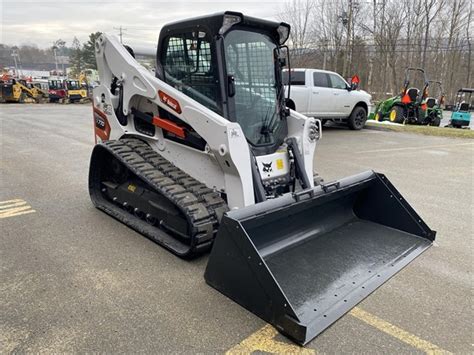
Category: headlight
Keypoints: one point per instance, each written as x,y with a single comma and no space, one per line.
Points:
229,21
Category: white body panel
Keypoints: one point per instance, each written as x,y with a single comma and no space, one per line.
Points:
225,165
273,166
326,102
321,101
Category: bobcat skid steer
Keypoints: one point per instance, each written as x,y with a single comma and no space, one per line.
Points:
204,153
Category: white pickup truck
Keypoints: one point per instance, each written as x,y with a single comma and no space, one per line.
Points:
326,95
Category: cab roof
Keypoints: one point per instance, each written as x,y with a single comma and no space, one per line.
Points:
213,23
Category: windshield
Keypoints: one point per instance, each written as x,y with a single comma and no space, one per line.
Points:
55,84
250,60
73,85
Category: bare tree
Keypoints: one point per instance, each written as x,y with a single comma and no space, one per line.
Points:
383,38
431,11
298,13
469,45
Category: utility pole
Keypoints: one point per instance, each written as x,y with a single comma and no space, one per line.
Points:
348,39
16,63
121,30
55,49
17,60
59,45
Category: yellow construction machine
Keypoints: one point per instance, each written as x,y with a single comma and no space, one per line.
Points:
77,89
16,90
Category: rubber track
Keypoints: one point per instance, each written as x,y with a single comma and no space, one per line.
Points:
202,206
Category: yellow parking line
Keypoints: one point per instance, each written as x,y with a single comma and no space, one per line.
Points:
263,340
396,332
11,203
13,208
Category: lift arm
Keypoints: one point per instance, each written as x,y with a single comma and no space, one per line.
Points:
225,139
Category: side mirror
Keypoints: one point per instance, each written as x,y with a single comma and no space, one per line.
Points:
355,82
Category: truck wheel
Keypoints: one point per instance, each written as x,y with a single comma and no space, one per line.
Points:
357,118
396,115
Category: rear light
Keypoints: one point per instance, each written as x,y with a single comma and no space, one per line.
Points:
424,106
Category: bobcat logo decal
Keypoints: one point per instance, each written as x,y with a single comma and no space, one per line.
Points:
267,167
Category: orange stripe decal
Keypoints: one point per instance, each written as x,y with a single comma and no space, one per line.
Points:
169,126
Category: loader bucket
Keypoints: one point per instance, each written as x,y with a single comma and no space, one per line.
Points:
302,261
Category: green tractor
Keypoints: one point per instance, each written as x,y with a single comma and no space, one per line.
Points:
434,112
410,106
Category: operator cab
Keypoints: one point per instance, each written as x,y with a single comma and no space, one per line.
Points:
56,84
231,64
73,85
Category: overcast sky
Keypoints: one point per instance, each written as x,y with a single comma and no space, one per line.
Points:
42,22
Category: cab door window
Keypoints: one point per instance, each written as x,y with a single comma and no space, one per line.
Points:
297,78
189,67
337,82
321,80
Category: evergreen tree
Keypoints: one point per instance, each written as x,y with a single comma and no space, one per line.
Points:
88,51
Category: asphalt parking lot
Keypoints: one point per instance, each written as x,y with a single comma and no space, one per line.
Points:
75,280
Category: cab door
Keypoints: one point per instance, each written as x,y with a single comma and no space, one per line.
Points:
298,90
320,100
341,97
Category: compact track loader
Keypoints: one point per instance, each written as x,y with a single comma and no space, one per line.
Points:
205,154
40,94
57,90
76,91
17,91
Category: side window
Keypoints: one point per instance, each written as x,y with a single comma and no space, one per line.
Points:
177,62
337,82
297,77
321,80
189,68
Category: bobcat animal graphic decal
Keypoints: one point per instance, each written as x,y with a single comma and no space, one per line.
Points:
267,167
